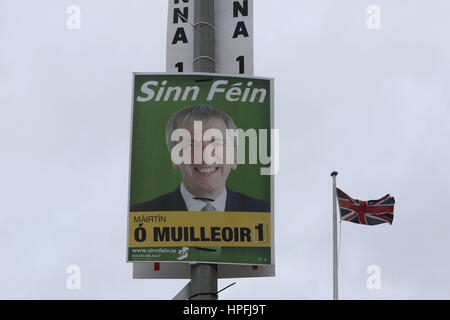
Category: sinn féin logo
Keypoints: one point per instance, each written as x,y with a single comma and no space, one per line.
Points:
183,253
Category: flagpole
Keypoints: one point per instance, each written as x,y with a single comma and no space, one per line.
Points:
335,258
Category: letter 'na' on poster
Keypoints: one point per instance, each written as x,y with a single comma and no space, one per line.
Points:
233,23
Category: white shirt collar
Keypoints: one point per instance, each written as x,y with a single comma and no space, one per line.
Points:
197,205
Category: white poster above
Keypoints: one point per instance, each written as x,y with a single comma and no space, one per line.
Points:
233,21
180,36
234,36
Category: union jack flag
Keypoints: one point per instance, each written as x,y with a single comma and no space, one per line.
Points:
366,212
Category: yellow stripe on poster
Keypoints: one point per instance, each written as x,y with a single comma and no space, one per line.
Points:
199,228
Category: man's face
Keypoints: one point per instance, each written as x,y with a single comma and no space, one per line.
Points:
206,180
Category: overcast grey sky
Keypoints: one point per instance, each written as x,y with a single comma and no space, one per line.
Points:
372,104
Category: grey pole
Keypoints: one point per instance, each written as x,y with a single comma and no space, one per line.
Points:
335,262
204,40
204,276
203,281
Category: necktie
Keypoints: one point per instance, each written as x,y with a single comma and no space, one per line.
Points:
208,207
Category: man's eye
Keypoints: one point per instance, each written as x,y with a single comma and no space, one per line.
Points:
187,145
218,143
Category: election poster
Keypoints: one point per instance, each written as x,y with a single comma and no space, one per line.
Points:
202,161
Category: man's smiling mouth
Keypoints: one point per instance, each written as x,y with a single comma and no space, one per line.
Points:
206,169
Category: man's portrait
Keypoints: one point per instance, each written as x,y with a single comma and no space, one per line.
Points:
203,185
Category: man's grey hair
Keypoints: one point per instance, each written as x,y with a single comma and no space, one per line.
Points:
199,112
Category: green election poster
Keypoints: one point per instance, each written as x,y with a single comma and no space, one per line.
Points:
201,169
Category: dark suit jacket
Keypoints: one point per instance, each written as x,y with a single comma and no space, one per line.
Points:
174,201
